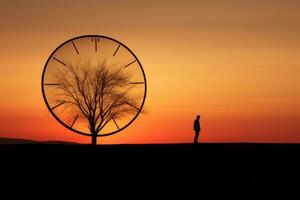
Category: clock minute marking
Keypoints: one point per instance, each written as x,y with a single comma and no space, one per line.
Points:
51,84
75,48
115,122
59,61
117,49
136,83
133,106
58,105
130,63
96,40
74,121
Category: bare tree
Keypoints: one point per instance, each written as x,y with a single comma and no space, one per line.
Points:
97,94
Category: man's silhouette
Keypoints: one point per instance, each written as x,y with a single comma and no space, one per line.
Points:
197,128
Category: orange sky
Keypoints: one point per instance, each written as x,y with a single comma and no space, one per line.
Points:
235,62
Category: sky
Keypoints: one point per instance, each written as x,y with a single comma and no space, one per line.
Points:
236,63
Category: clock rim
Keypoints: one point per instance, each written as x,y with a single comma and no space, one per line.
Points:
70,128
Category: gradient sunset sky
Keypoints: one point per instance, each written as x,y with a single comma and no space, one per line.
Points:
236,63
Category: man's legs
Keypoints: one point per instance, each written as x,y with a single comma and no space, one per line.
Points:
196,137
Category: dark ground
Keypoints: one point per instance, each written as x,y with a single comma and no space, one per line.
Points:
49,171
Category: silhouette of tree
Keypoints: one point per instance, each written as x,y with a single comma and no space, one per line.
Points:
98,94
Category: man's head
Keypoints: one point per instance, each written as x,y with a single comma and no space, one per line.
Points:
198,117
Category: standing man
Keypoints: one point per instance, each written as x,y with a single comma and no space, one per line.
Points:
197,129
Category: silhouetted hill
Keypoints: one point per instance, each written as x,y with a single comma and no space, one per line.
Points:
155,170
27,141
16,141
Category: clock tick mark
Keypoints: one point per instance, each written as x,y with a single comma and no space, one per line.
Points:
95,40
133,106
130,63
51,84
117,49
75,48
74,121
136,83
115,122
59,61
58,105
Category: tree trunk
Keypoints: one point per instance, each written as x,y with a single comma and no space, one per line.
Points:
94,139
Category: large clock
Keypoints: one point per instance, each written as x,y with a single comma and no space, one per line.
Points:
94,85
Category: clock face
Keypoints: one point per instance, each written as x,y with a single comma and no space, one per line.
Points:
94,84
